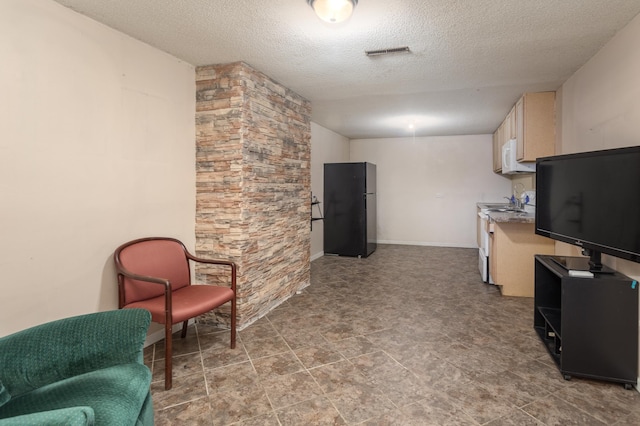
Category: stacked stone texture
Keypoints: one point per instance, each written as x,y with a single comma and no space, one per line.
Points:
253,186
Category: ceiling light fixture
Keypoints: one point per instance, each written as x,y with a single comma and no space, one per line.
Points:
333,11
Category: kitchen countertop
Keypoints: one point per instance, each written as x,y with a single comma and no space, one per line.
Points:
512,217
506,217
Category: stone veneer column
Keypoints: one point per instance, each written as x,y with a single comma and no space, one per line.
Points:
253,186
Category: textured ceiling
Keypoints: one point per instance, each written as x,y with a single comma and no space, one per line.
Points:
470,59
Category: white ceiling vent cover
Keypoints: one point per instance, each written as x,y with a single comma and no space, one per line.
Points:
382,52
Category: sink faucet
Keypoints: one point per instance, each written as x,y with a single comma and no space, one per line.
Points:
519,204
515,202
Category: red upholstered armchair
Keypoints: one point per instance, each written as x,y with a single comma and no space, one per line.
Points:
153,274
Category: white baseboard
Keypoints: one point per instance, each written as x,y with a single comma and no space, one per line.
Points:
423,243
409,243
317,256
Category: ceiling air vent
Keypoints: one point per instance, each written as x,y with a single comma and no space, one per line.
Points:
382,52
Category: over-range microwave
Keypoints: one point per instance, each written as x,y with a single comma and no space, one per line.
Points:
509,163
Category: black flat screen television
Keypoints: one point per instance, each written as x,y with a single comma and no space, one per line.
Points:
591,200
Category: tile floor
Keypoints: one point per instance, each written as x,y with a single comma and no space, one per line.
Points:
408,336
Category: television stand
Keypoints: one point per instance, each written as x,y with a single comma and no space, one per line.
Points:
588,325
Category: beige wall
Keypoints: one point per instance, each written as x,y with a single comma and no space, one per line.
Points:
326,147
599,107
96,148
428,187
600,103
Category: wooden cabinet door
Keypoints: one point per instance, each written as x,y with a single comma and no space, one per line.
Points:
497,150
535,126
513,247
512,123
519,118
493,259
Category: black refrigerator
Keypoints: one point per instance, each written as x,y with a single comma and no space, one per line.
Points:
349,209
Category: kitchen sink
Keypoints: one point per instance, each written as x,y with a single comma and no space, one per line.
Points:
505,209
495,206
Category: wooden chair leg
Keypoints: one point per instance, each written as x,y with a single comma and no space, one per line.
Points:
233,323
168,373
184,329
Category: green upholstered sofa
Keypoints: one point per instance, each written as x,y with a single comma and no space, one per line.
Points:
83,370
